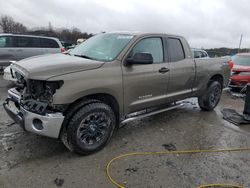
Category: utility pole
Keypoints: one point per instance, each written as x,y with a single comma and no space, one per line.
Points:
240,43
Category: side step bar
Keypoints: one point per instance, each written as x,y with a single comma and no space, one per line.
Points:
150,113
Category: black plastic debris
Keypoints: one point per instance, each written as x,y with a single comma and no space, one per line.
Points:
169,147
59,182
234,117
132,170
246,112
237,118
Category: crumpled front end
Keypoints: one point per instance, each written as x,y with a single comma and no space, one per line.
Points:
30,104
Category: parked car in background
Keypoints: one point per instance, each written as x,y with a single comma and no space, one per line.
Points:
14,47
197,53
68,45
240,74
79,41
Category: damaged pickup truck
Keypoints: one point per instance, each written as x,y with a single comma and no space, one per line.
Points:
110,79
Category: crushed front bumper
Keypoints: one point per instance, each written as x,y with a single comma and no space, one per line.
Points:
48,125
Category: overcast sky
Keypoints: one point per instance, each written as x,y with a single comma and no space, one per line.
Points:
205,23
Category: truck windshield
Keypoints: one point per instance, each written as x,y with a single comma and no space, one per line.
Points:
102,47
241,60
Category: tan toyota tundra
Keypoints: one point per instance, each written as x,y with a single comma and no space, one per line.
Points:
82,96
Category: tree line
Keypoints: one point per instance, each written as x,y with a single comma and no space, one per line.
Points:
9,25
218,52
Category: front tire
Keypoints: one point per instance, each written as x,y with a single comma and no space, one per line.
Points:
212,96
90,128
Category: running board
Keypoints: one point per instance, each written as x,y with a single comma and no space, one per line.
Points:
150,113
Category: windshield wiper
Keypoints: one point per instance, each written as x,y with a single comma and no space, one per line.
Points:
83,56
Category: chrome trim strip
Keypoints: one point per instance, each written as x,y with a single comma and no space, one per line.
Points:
151,113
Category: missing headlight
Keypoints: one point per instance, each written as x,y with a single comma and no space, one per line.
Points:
43,90
38,96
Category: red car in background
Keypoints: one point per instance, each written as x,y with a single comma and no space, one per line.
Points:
240,74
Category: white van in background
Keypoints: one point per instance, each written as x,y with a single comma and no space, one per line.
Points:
14,47
198,53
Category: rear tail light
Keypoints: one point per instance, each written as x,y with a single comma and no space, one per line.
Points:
62,50
230,64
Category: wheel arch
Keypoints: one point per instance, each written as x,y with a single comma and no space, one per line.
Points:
109,100
217,77
82,101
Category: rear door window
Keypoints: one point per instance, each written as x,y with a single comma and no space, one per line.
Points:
27,42
36,42
175,49
6,42
49,43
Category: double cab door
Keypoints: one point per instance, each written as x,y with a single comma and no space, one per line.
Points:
168,78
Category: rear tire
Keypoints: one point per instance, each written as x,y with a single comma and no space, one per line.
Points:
212,96
90,128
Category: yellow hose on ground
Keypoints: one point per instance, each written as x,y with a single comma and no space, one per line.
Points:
181,152
220,185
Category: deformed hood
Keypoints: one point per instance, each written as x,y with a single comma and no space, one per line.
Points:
47,66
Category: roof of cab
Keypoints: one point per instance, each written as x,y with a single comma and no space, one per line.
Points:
140,33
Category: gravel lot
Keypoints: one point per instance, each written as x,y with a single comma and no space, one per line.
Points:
28,160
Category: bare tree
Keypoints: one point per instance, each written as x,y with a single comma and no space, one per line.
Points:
8,25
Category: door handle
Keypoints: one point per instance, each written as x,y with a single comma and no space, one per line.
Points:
164,70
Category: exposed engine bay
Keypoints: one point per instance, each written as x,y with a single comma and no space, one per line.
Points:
37,95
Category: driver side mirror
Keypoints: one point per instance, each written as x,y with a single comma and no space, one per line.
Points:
140,58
